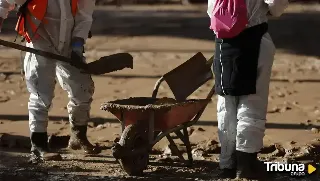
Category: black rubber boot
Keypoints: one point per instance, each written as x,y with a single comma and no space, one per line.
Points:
229,173
78,140
39,149
249,167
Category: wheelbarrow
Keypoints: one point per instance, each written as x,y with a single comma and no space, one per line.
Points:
146,120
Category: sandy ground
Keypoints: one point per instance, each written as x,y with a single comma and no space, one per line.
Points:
160,38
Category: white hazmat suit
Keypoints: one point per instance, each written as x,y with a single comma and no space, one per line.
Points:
241,119
40,72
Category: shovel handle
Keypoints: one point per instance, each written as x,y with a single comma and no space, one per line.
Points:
34,51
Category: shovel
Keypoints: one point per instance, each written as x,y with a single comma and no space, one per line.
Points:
189,76
104,65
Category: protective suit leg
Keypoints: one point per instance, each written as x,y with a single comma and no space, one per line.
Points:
241,120
80,88
252,110
227,129
40,80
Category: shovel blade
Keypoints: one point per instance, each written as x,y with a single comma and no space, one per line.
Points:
189,76
110,63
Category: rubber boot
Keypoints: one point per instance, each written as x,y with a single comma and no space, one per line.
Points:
78,140
228,173
249,167
39,149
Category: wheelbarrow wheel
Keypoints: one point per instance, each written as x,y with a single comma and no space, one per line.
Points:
132,138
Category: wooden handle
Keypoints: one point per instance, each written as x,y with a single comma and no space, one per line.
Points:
35,51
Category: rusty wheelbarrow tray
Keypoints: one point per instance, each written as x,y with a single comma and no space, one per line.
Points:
146,120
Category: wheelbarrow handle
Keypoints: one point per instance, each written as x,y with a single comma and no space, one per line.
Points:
210,61
35,51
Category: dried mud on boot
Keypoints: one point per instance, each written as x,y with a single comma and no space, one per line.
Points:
85,146
79,141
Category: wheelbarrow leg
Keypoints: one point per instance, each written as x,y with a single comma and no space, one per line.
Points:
122,121
174,148
151,127
188,145
185,139
151,132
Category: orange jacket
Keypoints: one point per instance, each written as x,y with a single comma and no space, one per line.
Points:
30,20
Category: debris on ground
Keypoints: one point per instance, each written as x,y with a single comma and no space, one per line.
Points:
315,130
279,152
100,127
201,129
4,98
198,154
212,147
174,150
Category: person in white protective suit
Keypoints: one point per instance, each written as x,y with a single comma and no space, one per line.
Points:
60,27
242,104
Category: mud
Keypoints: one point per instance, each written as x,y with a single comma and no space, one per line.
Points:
148,104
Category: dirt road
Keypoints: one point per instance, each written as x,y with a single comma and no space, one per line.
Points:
160,38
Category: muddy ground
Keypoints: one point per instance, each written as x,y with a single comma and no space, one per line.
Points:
160,38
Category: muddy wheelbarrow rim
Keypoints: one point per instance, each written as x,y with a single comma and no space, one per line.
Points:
115,106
